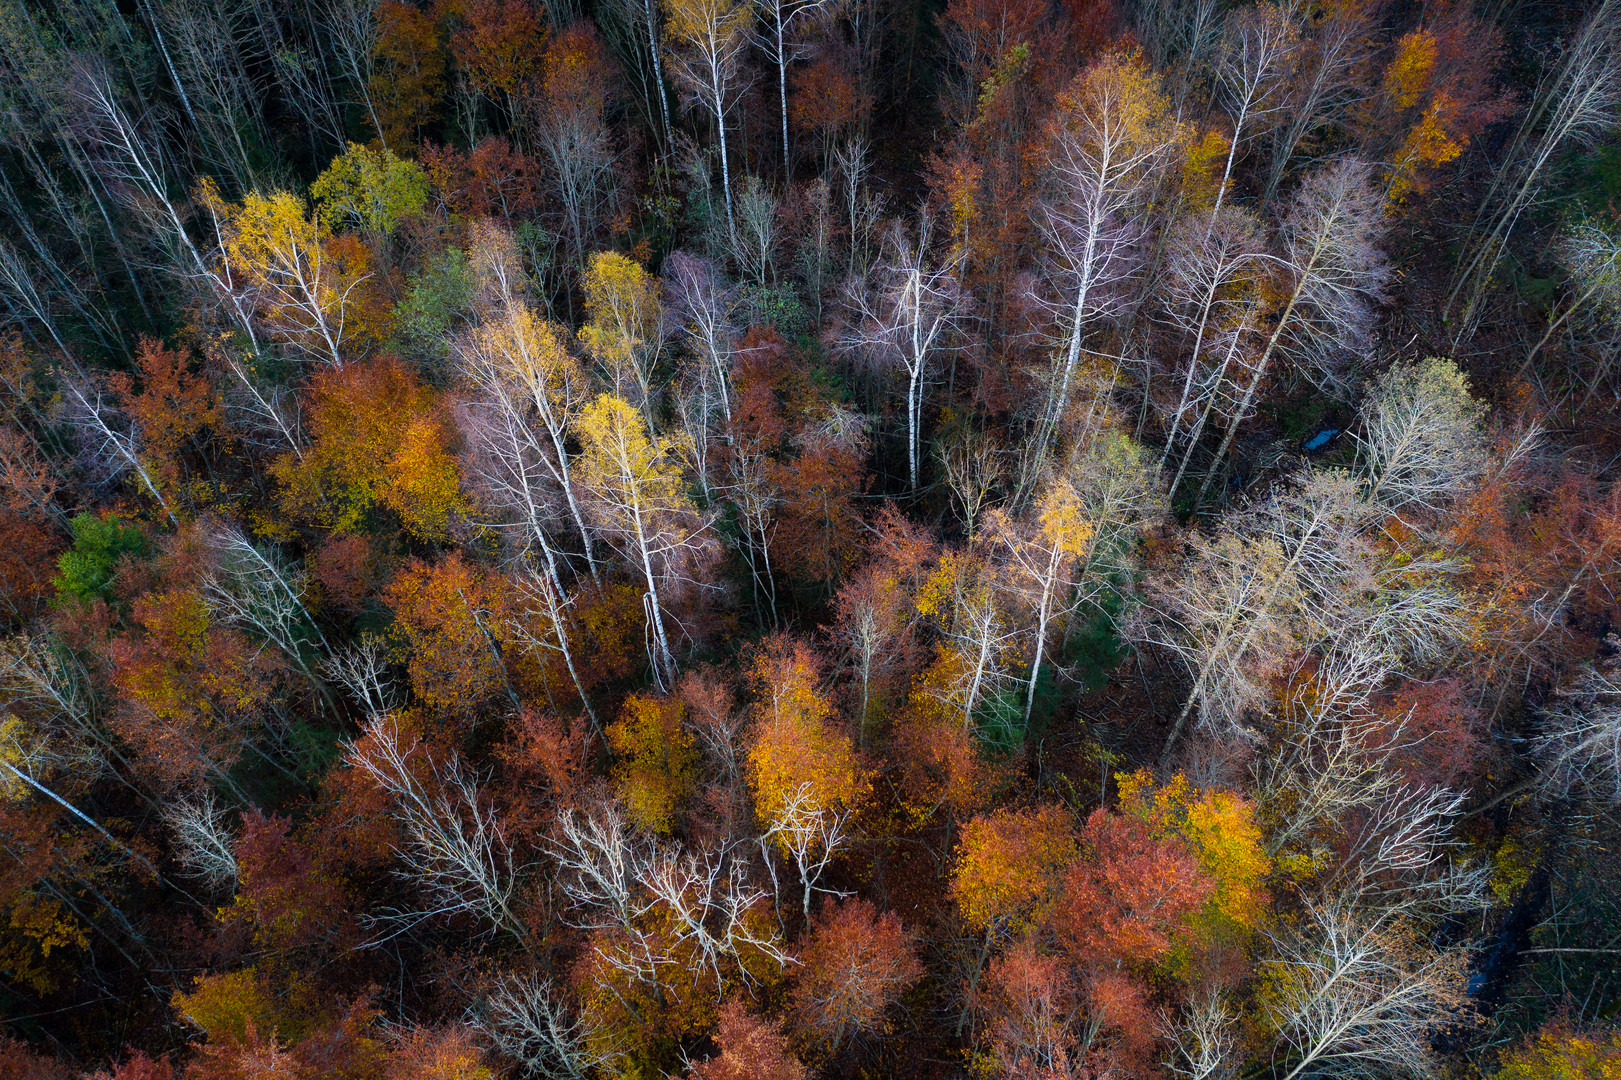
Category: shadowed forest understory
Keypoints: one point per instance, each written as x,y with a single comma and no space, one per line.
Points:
770,539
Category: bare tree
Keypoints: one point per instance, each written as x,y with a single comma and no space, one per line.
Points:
906,317
1260,43
1208,271
351,28
1206,1039
779,34
258,592
455,849
131,160
811,834
571,134
1332,270
109,441
362,668
1325,81
1592,255
1421,445
755,242
705,311
1350,997
974,466
1579,746
711,37
1575,104
1113,136
528,1021
203,841
526,389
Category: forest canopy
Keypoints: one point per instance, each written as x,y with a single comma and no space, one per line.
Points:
771,539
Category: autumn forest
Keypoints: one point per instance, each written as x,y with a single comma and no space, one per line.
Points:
790,539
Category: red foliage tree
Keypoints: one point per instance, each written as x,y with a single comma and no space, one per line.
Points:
856,964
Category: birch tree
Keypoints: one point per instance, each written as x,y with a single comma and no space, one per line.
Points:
1259,46
1040,560
526,391
1574,104
709,39
905,317
1111,135
638,500
1350,996
455,848
1421,445
779,34
1332,271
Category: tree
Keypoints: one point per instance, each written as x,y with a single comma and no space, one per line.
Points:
1211,266
807,777
635,494
452,617
378,437
1579,747
1575,102
1332,270
497,48
624,328
873,626
407,71
1128,901
528,1020
710,37
455,848
1252,70
281,254
1325,79
1110,135
566,116
700,301
1421,446
527,391
1346,995
857,962
1592,256
657,758
371,189
750,1049
1558,1052
1040,560
782,46
905,318
1009,866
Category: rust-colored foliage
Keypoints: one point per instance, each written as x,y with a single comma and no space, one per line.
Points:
449,616
379,439
283,894
856,964
1131,895
498,44
750,1049
172,406
410,70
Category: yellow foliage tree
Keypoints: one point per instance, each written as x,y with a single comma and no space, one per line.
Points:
1221,827
637,497
278,252
797,748
657,755
371,188
624,325
1008,864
